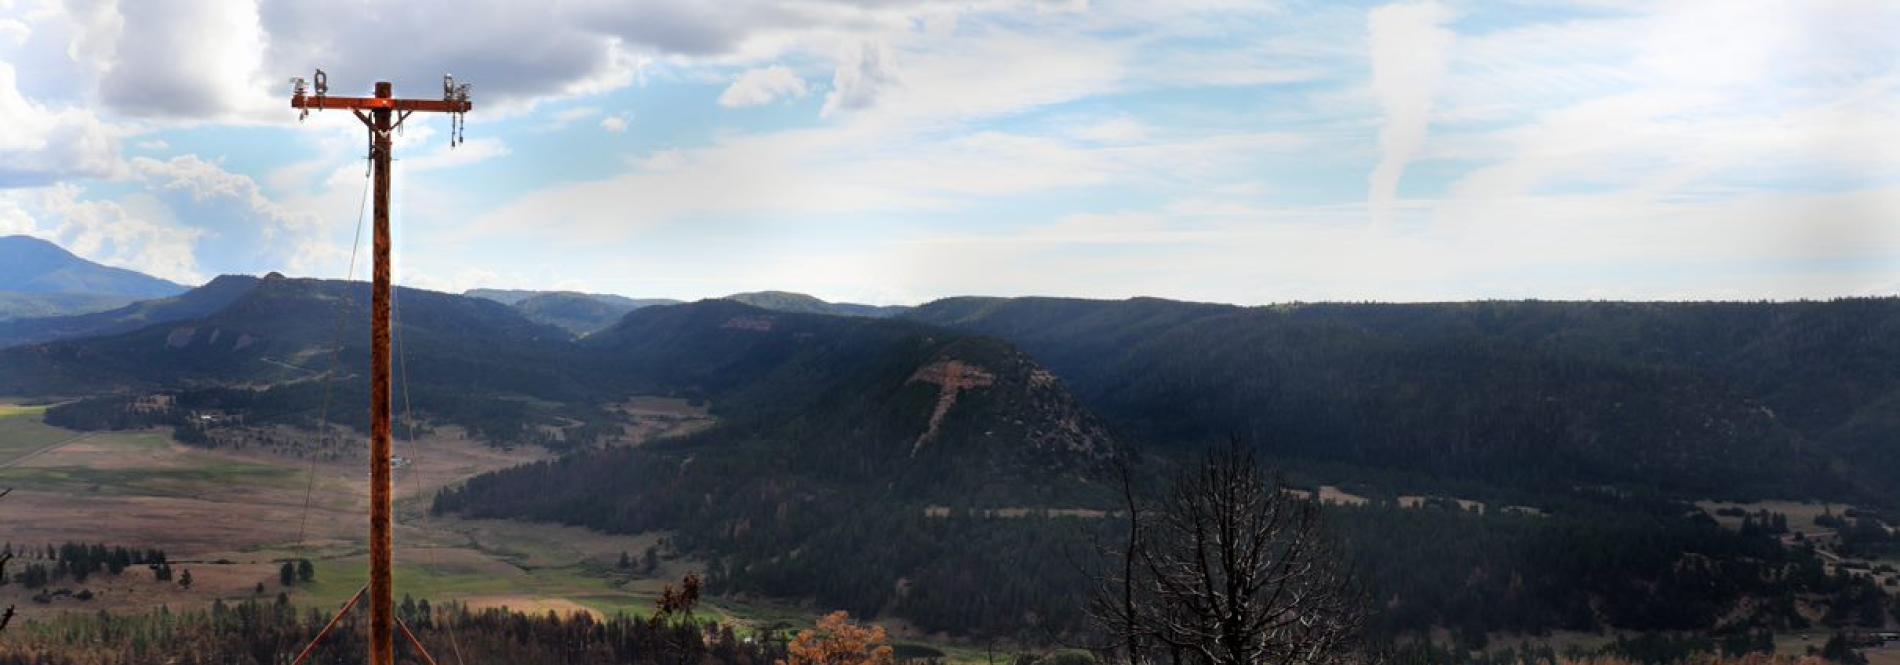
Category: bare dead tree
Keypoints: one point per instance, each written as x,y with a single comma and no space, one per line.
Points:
1229,570
1112,606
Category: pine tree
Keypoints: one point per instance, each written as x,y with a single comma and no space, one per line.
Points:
287,574
184,579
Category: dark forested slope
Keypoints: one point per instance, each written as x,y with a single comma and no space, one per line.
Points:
838,434
1778,398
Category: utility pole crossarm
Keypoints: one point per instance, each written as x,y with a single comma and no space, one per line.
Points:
308,102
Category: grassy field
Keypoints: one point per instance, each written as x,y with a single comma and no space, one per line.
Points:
21,432
10,410
232,518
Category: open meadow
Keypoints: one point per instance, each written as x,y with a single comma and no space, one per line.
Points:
232,518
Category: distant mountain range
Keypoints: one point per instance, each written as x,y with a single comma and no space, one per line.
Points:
578,313
786,301
39,278
586,313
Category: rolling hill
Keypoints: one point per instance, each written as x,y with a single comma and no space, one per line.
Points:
579,313
799,303
474,363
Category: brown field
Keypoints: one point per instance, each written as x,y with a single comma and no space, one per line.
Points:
529,604
1882,656
657,417
232,517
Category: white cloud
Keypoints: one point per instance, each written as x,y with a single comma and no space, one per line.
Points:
42,145
183,60
205,181
757,87
864,73
1408,47
135,236
615,124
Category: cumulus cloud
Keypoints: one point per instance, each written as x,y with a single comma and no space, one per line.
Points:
757,87
183,59
204,181
863,74
615,124
135,236
1408,46
42,145
519,52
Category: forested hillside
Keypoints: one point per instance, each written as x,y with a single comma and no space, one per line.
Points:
202,301
838,436
1717,398
799,303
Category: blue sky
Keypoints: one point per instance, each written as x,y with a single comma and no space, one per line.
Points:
895,152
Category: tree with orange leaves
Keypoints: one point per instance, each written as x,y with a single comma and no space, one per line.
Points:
679,602
839,641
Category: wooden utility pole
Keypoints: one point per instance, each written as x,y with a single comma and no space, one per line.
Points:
384,114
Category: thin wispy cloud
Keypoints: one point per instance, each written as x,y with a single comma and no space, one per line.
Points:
1408,47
